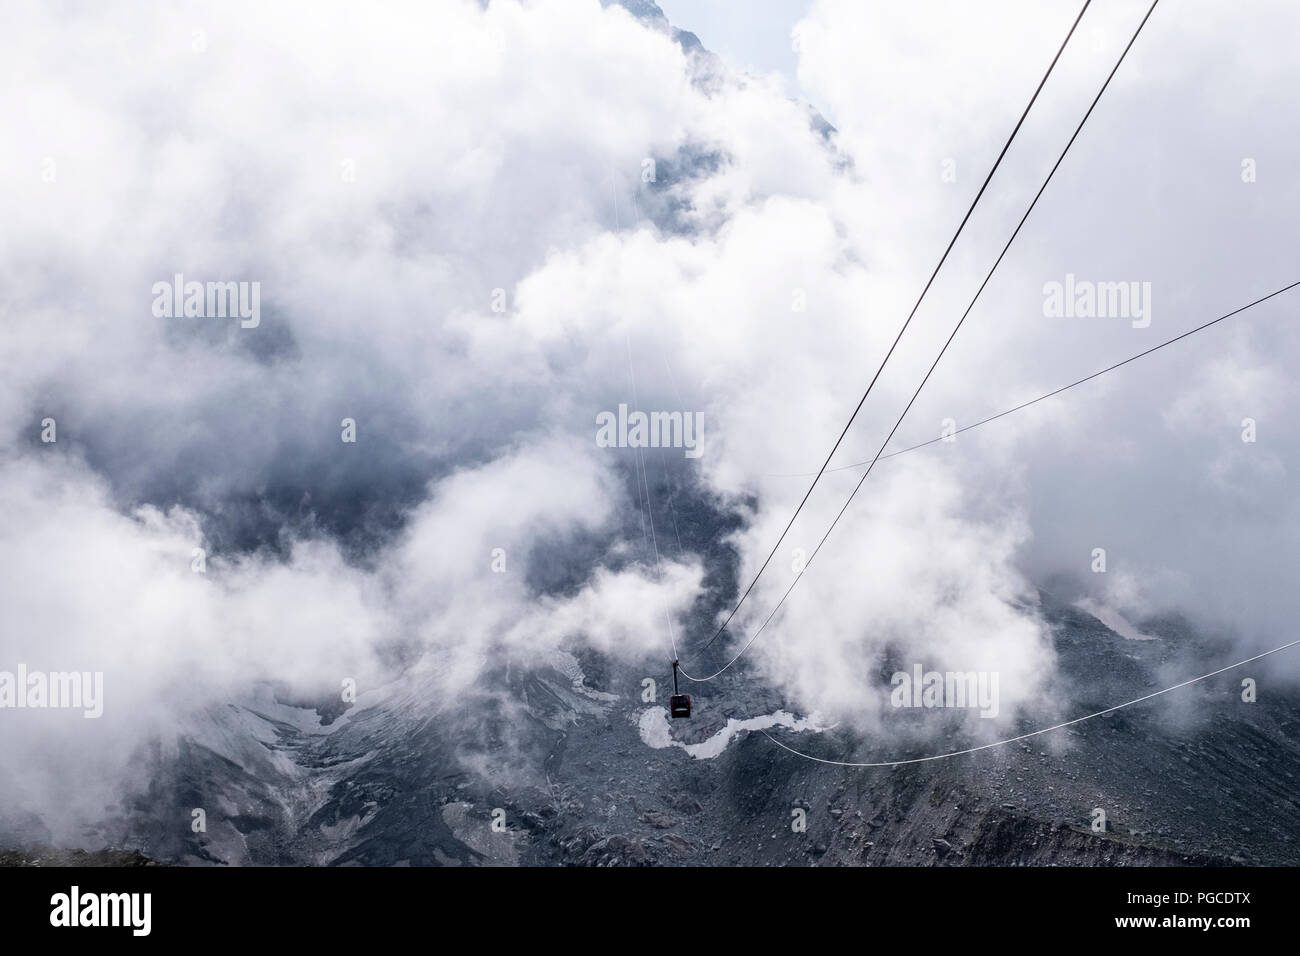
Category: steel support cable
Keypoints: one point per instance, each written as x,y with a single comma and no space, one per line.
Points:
933,275
1023,219
1064,388
1034,733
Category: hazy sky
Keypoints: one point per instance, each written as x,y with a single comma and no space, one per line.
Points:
753,37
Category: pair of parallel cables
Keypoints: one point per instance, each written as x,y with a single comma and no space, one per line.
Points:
880,453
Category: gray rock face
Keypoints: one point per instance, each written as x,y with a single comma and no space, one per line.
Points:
569,780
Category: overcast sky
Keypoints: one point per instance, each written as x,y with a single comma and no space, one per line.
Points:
757,37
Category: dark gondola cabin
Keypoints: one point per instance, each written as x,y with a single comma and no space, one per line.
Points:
679,704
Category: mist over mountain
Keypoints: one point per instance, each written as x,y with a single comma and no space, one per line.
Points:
360,573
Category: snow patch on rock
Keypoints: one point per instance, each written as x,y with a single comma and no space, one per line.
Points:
656,732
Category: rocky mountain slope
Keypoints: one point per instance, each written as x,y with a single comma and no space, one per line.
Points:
577,770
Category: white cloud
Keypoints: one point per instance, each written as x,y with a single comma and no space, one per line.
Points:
381,172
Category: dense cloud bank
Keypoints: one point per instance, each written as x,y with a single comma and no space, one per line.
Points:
475,228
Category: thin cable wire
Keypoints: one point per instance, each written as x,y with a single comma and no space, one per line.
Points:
663,458
640,474
953,335
1063,388
1045,730
644,481
933,275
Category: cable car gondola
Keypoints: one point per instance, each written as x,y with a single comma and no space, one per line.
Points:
679,705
